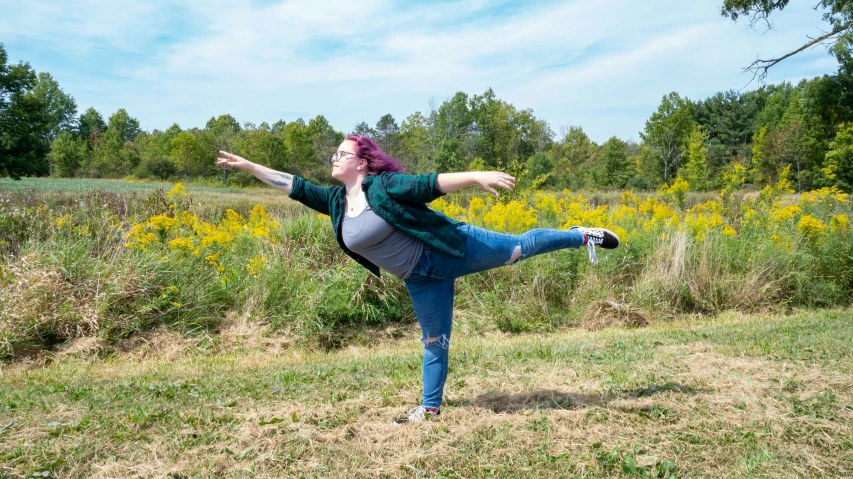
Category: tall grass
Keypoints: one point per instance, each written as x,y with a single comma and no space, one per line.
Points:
110,264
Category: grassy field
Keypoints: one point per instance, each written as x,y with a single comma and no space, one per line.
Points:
731,396
153,333
201,191
75,185
211,188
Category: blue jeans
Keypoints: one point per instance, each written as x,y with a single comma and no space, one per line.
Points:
431,286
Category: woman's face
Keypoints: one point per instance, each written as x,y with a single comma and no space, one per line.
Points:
346,165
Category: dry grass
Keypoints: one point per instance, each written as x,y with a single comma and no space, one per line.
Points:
41,303
557,405
611,314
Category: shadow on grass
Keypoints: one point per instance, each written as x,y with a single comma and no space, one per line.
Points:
497,401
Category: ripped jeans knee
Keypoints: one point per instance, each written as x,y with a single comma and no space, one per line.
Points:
516,255
442,342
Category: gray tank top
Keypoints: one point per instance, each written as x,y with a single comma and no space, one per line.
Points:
385,246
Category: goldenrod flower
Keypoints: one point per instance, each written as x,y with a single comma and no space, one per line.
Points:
256,264
177,192
812,227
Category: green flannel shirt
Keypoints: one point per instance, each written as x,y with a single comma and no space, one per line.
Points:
396,198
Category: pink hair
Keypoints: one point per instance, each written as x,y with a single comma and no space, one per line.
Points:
377,160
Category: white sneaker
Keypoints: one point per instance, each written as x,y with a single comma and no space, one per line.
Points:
418,414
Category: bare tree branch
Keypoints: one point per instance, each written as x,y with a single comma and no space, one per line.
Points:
760,67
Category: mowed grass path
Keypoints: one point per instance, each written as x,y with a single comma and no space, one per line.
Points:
734,396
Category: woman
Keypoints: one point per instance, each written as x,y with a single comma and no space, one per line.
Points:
381,220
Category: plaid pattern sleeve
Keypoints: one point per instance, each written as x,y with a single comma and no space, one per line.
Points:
311,195
413,188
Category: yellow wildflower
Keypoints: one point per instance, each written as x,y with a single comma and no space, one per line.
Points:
162,222
477,208
212,259
628,198
787,213
256,264
511,218
62,221
839,222
439,205
181,243
547,204
811,227
177,192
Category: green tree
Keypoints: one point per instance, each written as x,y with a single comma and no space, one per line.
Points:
90,124
224,128
417,151
486,112
23,121
778,98
388,135
449,158
115,155
572,156
696,170
299,145
364,129
186,152
838,167
454,121
266,148
728,117
537,165
665,135
762,170
804,141
121,128
60,109
67,153
223,122
154,156
615,168
324,142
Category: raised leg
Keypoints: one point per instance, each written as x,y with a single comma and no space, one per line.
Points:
486,249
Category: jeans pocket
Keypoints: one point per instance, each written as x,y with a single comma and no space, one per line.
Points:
430,264
422,265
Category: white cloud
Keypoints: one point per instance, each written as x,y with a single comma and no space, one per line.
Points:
85,25
593,63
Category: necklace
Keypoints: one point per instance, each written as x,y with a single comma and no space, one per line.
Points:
354,202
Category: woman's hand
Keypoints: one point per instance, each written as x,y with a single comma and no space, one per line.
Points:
491,179
234,161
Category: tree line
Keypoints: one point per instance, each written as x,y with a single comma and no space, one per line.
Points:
807,127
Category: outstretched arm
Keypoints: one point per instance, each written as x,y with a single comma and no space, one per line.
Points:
276,179
450,182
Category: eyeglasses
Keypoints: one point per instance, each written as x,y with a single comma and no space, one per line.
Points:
342,155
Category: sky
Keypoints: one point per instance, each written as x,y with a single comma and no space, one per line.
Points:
603,65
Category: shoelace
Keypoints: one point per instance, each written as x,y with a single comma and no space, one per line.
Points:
590,243
590,246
